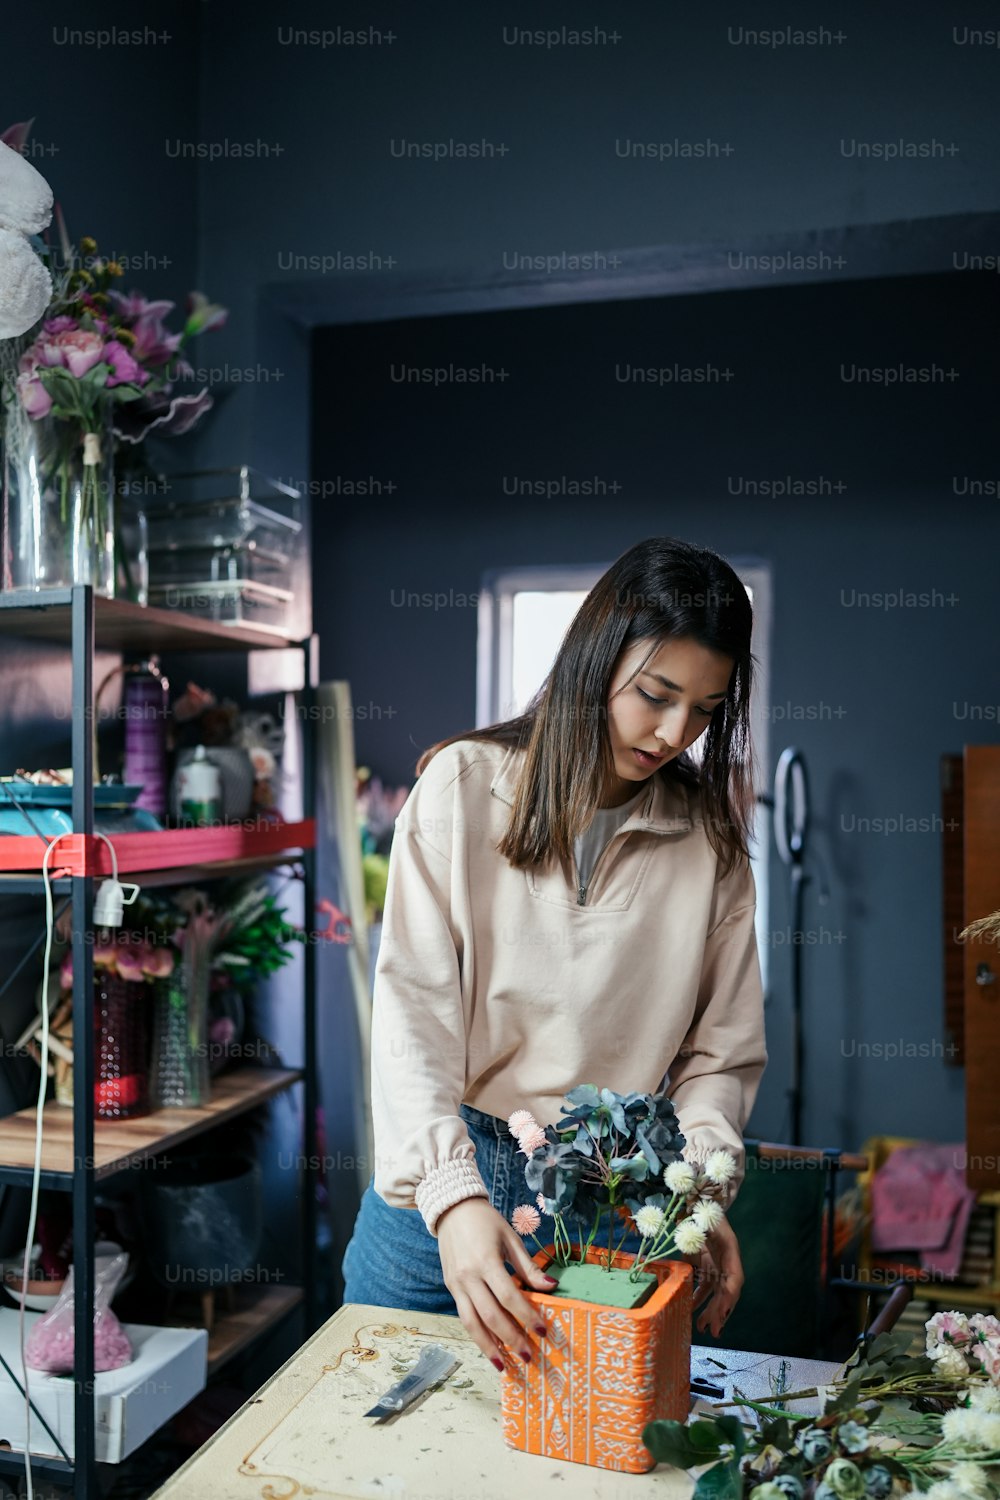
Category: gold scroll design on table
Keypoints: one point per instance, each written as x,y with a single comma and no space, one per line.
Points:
360,1351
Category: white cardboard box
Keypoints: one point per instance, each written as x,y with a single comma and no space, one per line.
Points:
168,1369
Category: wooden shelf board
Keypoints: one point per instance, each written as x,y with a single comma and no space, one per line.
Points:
124,1143
257,1308
216,869
121,625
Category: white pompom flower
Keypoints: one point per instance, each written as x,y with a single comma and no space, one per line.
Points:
688,1238
985,1398
707,1214
971,1428
679,1177
649,1220
972,1480
25,285
943,1489
720,1167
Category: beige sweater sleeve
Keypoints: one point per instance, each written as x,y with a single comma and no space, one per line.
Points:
717,1071
424,1158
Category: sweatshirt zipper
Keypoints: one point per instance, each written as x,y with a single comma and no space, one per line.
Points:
581,889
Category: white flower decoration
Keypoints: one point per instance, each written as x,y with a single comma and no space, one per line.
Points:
688,1238
25,196
25,284
649,1220
720,1167
971,1428
972,1481
949,1362
679,1177
707,1214
985,1397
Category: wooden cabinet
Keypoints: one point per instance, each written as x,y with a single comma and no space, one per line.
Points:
981,895
970,816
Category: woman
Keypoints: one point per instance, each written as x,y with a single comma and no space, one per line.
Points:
569,901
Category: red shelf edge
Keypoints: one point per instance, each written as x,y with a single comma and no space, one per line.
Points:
78,854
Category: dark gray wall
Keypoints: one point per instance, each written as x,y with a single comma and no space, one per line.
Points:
336,110
228,76
874,696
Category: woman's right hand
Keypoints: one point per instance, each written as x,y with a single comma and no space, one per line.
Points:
474,1241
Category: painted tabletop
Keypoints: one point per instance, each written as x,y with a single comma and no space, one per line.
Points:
304,1435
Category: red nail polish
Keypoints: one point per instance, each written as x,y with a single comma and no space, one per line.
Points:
541,1330
498,1362
526,1356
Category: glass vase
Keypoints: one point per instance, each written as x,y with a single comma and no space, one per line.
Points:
180,1070
121,1036
58,502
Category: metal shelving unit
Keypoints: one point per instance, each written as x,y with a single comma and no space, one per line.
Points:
73,1159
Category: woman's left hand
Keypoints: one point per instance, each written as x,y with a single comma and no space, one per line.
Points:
718,1277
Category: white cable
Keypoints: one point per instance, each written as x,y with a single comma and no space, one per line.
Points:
39,1122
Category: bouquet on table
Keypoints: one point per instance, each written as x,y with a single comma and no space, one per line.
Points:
894,1424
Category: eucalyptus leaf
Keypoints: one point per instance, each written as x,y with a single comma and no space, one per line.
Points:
778,1433
733,1431
720,1482
634,1167
706,1436
584,1093
670,1443
847,1399
642,1140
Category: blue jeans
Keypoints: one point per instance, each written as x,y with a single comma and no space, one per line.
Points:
393,1260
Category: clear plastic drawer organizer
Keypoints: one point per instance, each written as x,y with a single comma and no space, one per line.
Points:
226,547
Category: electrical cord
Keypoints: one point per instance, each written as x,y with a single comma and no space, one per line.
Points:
39,1115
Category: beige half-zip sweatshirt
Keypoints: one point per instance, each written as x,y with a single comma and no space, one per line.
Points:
504,989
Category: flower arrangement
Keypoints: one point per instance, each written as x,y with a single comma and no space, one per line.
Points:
145,950
126,957
102,365
615,1159
104,353
99,344
893,1424
257,940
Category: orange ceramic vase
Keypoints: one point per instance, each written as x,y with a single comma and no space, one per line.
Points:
601,1373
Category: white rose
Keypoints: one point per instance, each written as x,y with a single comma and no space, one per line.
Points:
950,1362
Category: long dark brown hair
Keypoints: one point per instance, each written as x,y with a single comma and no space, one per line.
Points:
660,589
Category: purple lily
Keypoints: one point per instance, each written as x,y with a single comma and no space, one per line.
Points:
135,305
153,344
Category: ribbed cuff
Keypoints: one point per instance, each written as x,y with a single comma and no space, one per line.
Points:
447,1185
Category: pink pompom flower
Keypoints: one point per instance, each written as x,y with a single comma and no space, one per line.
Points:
530,1140
521,1120
525,1219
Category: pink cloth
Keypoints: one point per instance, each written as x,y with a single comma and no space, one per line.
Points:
920,1201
